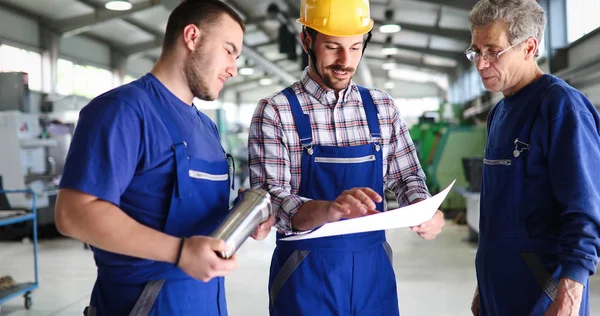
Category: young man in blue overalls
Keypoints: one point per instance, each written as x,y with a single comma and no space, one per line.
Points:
146,179
325,149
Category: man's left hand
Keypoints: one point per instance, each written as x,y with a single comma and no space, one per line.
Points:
568,299
431,228
262,231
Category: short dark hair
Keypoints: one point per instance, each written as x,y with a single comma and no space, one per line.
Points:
202,13
311,32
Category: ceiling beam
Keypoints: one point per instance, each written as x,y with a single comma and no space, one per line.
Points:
458,4
457,34
143,27
423,50
138,49
79,24
414,63
256,56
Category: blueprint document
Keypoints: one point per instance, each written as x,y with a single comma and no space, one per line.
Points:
412,215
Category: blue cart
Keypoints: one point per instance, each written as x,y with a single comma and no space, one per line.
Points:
23,288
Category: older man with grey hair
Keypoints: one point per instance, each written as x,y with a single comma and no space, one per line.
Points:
540,196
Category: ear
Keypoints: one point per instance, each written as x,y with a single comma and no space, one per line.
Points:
531,47
191,36
306,41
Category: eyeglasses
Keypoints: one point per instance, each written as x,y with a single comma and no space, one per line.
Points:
489,56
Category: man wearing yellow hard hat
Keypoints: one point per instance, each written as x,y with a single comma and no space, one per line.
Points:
325,149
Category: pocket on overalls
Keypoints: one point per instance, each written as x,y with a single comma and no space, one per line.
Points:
498,192
290,265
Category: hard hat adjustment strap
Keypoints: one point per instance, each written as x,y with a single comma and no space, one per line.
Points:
311,53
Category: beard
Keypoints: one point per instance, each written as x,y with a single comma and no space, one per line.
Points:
333,83
196,65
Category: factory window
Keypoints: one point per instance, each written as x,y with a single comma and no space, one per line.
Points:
82,80
582,18
17,59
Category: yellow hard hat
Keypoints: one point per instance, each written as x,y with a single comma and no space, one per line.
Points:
336,17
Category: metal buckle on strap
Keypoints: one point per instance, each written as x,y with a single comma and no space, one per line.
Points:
308,146
519,144
376,140
183,142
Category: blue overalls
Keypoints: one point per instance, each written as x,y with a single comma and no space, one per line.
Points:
517,274
199,202
338,275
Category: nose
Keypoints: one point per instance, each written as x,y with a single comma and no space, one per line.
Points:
481,63
343,56
232,70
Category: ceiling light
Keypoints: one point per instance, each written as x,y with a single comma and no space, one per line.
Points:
118,5
389,48
389,85
388,64
266,81
390,28
246,71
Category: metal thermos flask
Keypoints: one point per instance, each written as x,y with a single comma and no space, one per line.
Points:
253,208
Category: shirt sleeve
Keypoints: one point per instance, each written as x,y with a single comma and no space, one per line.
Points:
269,165
405,175
574,152
104,151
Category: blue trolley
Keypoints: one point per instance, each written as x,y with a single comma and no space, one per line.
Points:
26,288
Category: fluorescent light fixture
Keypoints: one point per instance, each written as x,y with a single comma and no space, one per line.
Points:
389,50
389,65
265,81
390,28
246,71
389,85
118,5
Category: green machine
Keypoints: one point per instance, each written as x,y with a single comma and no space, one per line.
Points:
440,148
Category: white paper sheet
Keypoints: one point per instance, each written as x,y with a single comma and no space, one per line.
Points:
407,216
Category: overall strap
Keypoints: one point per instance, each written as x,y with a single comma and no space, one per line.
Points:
179,147
302,120
371,112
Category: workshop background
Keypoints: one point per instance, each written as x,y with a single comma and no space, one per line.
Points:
55,55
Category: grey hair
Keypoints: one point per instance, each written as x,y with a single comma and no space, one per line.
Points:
525,18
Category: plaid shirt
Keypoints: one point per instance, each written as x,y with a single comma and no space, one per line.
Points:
275,151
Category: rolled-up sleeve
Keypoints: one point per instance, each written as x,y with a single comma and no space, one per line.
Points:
269,165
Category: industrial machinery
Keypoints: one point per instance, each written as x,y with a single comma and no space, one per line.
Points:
441,147
25,163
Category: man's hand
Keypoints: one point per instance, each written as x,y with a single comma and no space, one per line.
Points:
262,231
353,203
568,299
431,228
200,261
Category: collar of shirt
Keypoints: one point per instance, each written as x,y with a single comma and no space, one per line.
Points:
327,96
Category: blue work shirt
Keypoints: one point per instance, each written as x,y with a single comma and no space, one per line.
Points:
561,188
120,137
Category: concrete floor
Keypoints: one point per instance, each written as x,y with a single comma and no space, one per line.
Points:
435,278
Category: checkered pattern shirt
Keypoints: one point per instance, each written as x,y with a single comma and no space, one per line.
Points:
275,151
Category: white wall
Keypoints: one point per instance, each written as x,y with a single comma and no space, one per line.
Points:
18,29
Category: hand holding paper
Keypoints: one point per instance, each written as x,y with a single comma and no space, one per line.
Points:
412,215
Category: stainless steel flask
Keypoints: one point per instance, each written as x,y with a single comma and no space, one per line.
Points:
253,208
